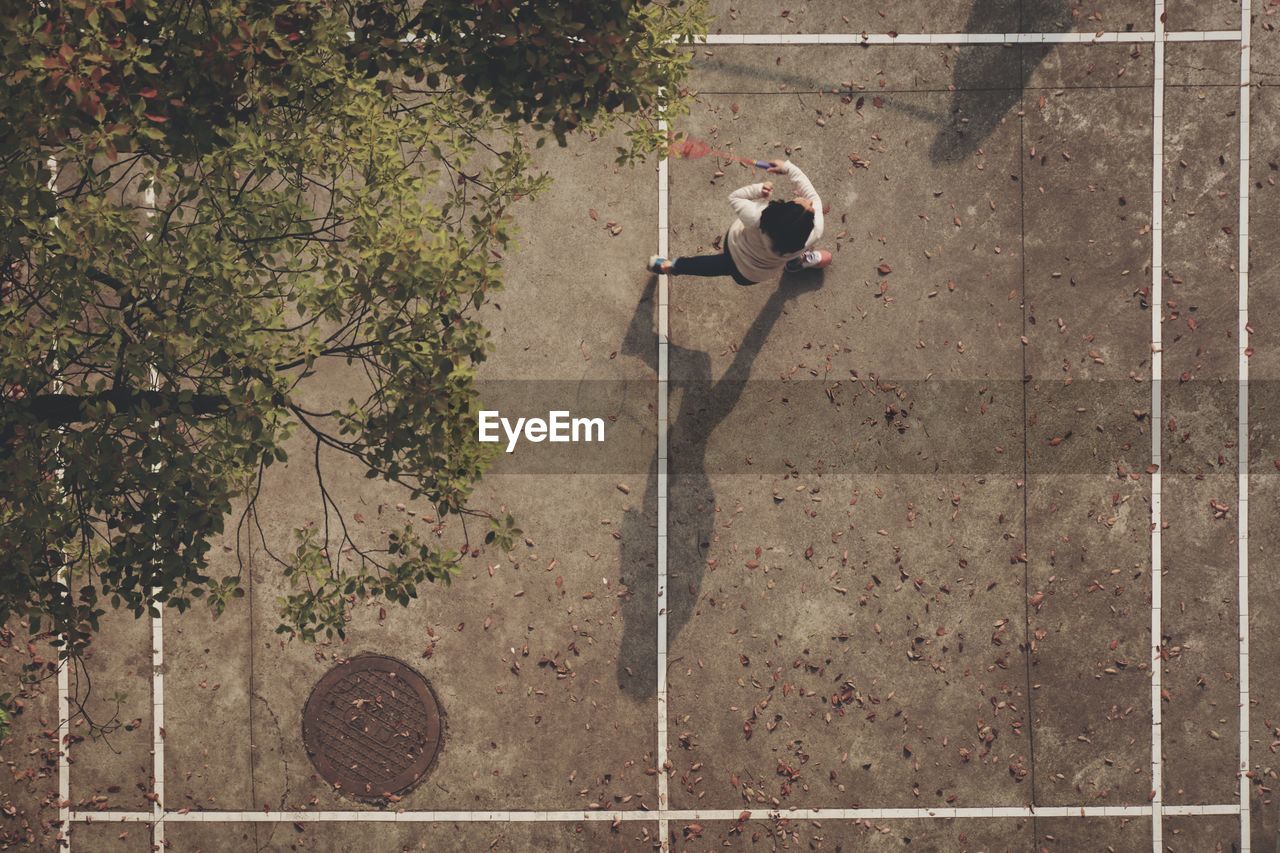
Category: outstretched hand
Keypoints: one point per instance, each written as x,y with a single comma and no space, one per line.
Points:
777,167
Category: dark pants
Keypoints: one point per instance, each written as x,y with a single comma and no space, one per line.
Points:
710,265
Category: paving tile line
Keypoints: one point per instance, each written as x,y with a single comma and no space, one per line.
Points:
1157,427
157,648
157,814
663,331
1160,35
1242,437
64,745
64,674
658,815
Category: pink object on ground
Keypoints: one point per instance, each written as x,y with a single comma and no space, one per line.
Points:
691,148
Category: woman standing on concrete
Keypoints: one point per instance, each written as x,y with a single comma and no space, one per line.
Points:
767,237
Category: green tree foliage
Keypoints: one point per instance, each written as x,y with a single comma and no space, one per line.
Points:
204,205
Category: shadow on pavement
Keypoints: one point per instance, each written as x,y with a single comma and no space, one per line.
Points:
691,500
986,84
976,107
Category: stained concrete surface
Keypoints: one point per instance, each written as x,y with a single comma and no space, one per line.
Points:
888,584
1201,614
553,705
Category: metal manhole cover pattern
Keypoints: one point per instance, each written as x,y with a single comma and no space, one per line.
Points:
372,727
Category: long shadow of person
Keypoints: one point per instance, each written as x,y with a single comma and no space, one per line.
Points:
989,79
703,405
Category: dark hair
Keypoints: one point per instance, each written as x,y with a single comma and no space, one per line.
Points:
787,225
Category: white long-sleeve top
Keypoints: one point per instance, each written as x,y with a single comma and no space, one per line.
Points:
748,246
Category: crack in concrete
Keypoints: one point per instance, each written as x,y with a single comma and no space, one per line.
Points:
284,759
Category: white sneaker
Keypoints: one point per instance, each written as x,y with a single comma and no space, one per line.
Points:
813,259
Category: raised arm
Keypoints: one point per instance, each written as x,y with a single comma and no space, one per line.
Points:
806,190
748,202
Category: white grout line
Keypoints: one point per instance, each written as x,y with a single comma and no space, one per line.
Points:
663,332
1185,810
64,675
967,38
157,652
1242,438
661,815
64,744
157,728
114,817
1157,422
1204,35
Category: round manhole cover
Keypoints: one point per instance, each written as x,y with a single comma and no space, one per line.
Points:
372,727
